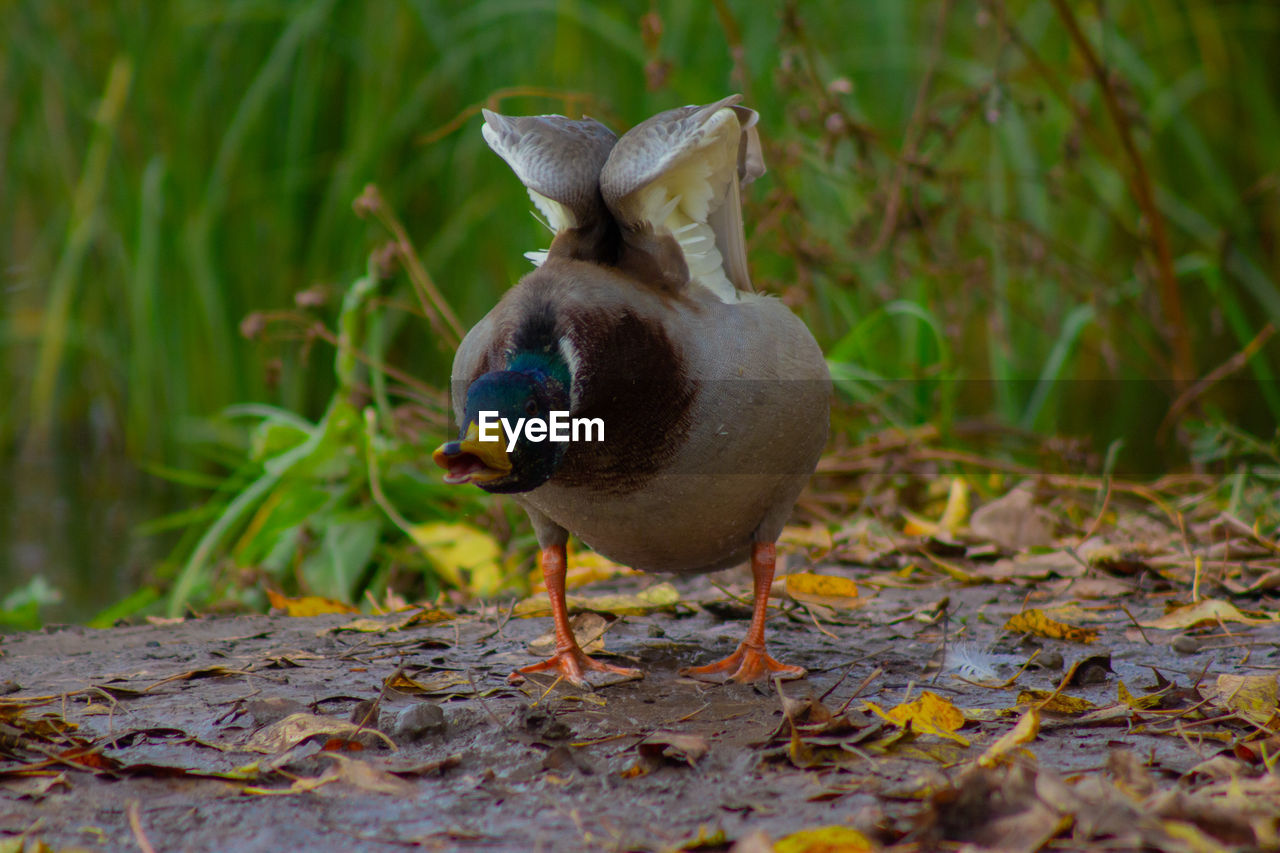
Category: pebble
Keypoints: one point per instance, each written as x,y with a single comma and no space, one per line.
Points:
422,719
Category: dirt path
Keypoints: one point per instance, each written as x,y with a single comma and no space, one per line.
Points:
233,732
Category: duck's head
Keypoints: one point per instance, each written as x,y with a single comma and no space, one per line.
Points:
484,453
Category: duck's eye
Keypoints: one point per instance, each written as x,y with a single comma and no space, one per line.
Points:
531,408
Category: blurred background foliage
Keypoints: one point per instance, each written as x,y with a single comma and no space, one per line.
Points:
1059,218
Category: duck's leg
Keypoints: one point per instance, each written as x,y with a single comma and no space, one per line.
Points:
751,662
570,661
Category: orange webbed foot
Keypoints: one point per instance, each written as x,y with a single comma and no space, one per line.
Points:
751,662
748,663
572,664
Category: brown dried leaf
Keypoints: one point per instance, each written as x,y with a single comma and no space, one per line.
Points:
295,728
446,681
366,777
588,627
1014,521
673,746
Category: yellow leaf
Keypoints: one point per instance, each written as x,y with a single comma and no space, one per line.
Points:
825,839
1035,621
426,615
917,526
930,714
656,597
830,590
957,506
465,556
1055,703
1138,703
1253,697
1192,838
956,572
308,605
953,516
1207,612
1024,732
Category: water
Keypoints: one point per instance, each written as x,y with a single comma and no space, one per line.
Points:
67,514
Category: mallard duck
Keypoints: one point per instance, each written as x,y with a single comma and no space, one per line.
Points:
714,399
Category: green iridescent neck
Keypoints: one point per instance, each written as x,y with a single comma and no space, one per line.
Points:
543,364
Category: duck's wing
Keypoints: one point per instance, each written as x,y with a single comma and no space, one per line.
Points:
678,176
559,161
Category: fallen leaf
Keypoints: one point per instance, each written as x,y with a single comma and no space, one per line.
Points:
1211,611
953,516
825,839
706,838
955,571
191,674
378,624
829,590
1014,809
1262,752
1253,697
673,746
930,714
308,605
366,777
1013,521
1138,703
1192,838
441,682
1034,621
1050,702
1024,732
299,786
295,728
1125,561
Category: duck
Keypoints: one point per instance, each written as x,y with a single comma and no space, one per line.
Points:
709,402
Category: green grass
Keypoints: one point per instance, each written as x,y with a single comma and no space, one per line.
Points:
958,201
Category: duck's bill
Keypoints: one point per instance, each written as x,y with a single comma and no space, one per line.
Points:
471,460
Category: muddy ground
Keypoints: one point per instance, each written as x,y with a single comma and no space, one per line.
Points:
187,736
